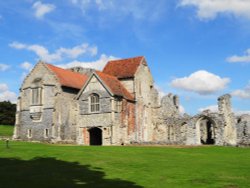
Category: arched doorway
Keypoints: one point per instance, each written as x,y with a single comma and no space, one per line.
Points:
207,130
95,136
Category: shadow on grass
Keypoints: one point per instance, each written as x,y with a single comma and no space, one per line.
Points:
50,172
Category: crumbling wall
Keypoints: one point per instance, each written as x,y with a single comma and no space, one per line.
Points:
170,106
243,130
224,106
143,84
197,130
86,71
168,126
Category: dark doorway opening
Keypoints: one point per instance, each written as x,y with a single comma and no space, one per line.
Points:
207,131
95,136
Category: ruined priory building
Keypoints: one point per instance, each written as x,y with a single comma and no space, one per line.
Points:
116,106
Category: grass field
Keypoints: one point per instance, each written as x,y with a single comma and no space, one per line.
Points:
6,130
43,165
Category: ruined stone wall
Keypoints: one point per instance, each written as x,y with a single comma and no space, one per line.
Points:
170,106
143,88
167,125
197,130
224,105
86,71
243,130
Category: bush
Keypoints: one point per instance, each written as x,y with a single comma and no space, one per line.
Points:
7,113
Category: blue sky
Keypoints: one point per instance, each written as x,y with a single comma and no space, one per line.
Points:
198,49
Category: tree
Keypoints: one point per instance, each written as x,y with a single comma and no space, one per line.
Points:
7,113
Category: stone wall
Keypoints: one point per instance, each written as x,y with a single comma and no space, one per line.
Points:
243,130
143,83
102,119
224,106
35,121
64,114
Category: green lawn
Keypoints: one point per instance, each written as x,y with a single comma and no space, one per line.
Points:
6,130
41,165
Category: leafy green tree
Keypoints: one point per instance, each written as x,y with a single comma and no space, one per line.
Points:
7,113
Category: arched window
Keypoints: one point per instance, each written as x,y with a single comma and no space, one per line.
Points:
94,103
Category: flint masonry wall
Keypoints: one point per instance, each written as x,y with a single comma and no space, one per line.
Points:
102,119
28,128
243,130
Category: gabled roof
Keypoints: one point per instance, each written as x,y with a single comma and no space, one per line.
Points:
68,78
114,85
123,68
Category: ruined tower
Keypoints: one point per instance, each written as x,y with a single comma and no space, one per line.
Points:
225,110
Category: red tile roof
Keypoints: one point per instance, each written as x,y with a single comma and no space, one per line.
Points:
68,78
123,68
114,85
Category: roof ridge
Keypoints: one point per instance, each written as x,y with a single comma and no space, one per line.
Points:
124,59
65,69
106,74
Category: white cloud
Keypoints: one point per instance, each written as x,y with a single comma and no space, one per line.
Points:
42,9
59,54
98,64
240,59
138,10
26,66
209,9
242,93
4,67
212,108
3,87
5,94
201,82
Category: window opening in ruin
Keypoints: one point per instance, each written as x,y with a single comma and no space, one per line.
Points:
245,130
94,103
46,133
95,136
207,132
238,120
29,133
183,130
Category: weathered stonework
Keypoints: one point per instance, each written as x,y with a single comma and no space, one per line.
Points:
57,105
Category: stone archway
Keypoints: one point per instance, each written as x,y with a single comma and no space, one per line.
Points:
206,128
95,136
